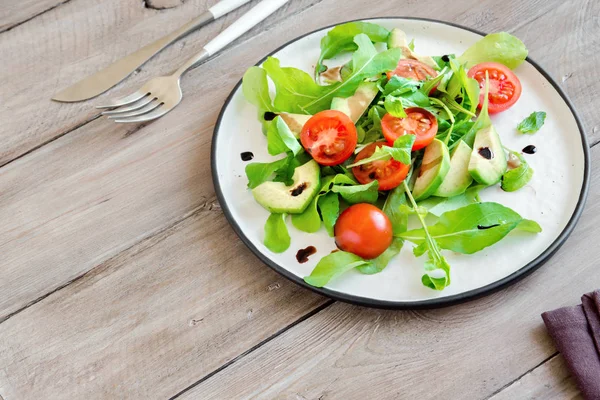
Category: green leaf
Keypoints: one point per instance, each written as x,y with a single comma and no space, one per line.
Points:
329,205
285,174
340,39
483,121
256,89
277,238
518,177
533,123
280,139
411,45
258,173
367,193
398,84
393,105
331,266
378,264
471,228
439,205
401,151
309,221
393,209
498,47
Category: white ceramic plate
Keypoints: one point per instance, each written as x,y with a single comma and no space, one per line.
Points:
554,197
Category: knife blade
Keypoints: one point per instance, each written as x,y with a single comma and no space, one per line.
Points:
108,77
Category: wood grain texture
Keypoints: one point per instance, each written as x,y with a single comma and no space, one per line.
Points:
549,381
16,12
80,37
150,321
468,351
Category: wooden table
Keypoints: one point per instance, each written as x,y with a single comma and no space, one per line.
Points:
121,278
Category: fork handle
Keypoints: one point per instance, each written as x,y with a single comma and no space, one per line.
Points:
247,21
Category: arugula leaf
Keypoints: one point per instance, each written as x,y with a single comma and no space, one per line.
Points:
533,123
498,47
472,228
286,174
439,205
332,266
483,121
401,152
367,193
398,83
341,39
256,89
437,269
392,208
280,138
329,205
518,177
277,238
378,264
393,105
258,173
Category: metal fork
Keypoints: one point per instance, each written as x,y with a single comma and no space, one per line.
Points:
160,95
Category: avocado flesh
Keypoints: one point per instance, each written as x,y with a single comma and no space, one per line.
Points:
279,198
434,168
397,40
356,105
295,122
458,178
488,160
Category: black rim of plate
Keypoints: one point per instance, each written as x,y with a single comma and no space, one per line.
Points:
430,303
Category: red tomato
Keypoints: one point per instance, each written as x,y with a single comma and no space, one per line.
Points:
364,230
329,137
415,70
389,173
505,87
418,122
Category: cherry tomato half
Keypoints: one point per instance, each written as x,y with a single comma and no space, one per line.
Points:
364,230
418,122
505,87
329,137
389,173
415,70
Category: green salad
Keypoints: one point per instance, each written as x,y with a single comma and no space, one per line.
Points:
391,135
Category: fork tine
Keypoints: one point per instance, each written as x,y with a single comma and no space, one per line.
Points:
143,110
133,106
125,100
156,113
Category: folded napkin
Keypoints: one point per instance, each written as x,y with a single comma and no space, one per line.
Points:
576,332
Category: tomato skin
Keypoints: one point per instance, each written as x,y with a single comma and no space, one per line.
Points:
415,70
364,230
412,124
389,173
505,87
329,137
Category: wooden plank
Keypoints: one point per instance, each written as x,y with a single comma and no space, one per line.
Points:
80,37
148,322
16,12
130,180
468,351
550,381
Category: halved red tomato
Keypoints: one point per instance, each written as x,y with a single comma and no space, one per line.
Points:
418,122
415,70
389,173
505,87
329,137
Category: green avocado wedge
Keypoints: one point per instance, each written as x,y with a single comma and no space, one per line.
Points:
433,171
356,105
458,178
488,160
295,122
279,198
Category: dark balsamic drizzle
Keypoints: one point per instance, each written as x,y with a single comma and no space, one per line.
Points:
486,153
445,58
531,149
303,254
297,191
247,156
482,227
269,116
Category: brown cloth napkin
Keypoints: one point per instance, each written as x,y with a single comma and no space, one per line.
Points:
576,332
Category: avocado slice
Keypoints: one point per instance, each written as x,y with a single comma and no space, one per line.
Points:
397,40
295,122
356,105
488,161
279,198
458,178
434,168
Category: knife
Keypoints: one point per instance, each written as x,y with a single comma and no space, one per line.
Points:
103,80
